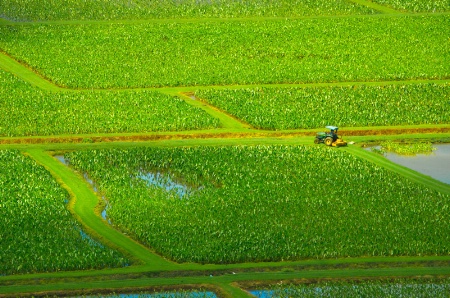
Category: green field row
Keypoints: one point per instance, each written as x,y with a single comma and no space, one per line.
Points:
413,288
240,52
28,111
36,10
352,106
265,203
417,5
37,232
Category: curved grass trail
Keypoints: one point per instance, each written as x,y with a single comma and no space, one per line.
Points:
84,202
13,66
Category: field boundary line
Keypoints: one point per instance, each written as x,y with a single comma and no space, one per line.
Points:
221,280
227,120
82,206
381,8
385,12
4,21
195,269
237,136
187,89
25,73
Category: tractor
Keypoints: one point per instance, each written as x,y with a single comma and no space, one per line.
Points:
330,138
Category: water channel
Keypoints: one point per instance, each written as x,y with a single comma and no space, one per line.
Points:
152,179
94,187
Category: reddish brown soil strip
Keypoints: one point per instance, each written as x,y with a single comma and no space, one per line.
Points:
212,135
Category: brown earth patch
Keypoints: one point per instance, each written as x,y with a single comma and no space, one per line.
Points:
213,135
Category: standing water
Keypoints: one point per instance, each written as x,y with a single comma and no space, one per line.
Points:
164,181
435,164
94,187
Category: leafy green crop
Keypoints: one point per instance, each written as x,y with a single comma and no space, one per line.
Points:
294,108
37,232
417,5
138,9
29,111
237,52
407,149
266,203
381,288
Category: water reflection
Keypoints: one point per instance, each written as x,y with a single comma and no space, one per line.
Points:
164,181
435,165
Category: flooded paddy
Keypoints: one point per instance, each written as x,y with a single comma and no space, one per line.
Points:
435,164
165,182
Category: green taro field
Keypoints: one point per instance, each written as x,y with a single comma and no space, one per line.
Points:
167,147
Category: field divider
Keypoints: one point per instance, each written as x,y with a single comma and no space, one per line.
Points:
82,206
224,281
25,73
5,21
228,121
212,19
217,136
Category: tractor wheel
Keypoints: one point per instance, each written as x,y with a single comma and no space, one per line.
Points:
328,141
316,141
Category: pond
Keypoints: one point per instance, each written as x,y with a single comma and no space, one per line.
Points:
165,182
435,164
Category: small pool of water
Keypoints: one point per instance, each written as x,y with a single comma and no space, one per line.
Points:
164,181
91,241
61,159
262,293
435,164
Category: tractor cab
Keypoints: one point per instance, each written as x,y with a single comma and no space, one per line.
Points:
330,138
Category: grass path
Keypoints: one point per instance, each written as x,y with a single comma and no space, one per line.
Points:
13,66
226,120
84,202
224,281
